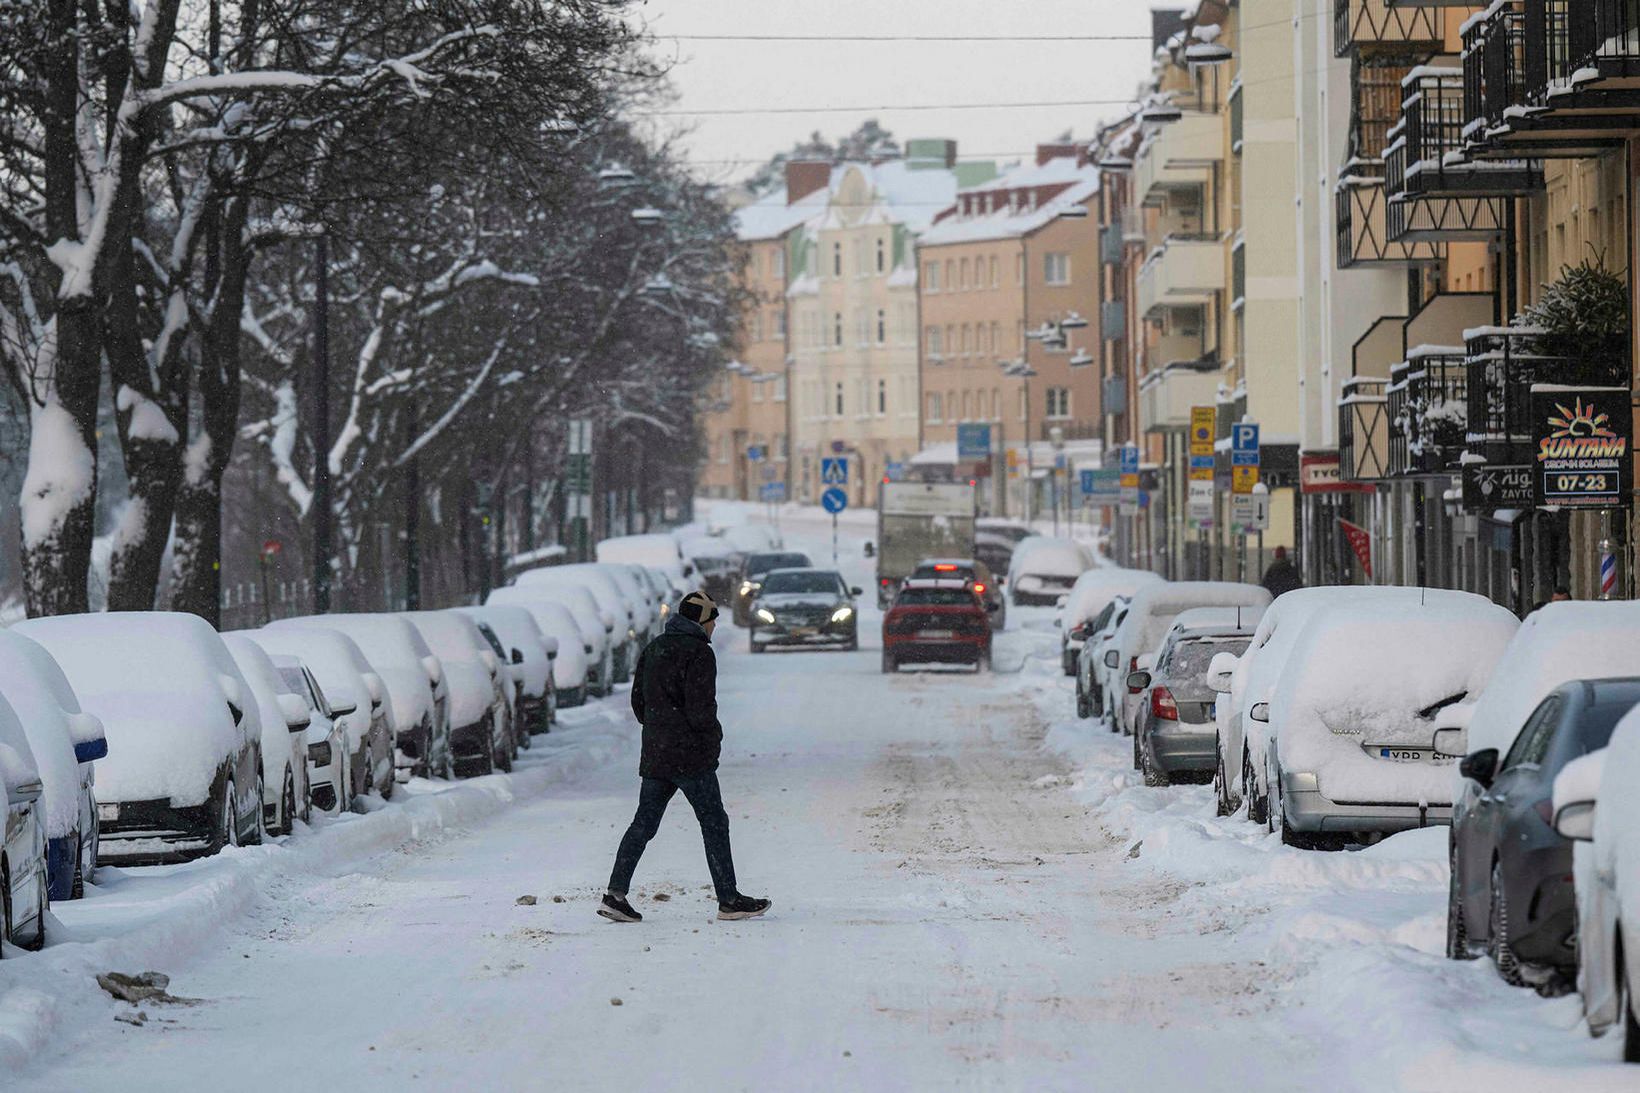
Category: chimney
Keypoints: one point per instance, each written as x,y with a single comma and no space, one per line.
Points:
928,153
1060,150
804,177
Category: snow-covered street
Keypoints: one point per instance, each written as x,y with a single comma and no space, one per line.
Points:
971,891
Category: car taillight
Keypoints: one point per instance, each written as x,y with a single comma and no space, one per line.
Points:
979,586
1162,706
945,568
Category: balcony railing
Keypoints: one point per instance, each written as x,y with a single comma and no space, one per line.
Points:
1362,225
1434,409
1185,271
1502,364
1363,429
1178,155
1371,25
1375,103
1412,219
1426,153
1494,46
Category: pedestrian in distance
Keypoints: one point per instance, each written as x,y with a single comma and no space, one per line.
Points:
1282,576
674,696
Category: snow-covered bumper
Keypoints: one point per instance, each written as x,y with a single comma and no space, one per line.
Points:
153,832
1308,810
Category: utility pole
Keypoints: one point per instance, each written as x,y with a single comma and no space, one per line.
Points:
321,426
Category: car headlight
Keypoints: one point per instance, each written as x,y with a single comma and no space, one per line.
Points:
765,615
319,754
842,613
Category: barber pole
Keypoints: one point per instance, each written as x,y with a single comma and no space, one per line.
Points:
1608,570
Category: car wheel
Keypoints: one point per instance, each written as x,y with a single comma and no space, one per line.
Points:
1625,1002
1457,934
503,758
1258,806
227,825
888,662
77,886
1084,708
1221,787
287,805
1503,955
1155,776
254,836
1067,664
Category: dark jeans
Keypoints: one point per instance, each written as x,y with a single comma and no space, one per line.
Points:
702,793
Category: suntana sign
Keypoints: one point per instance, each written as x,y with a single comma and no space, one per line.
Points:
1584,436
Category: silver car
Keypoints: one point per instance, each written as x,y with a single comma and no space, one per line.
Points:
1174,736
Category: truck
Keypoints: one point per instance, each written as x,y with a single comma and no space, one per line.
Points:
917,520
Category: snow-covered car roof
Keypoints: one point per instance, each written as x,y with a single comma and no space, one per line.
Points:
46,707
1556,643
517,629
161,682
455,640
1098,586
594,620
1376,673
653,549
396,652
336,661
1156,605
1218,620
1045,555
600,586
556,622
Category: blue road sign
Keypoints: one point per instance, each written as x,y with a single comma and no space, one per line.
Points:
1244,437
773,491
834,500
754,453
1201,462
1087,481
834,472
1130,459
894,469
973,442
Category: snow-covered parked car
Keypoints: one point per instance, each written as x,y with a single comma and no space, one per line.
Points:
597,609
358,699
615,589
1173,736
1044,568
23,877
716,562
285,718
183,773
1150,616
65,742
1595,803
1087,599
557,625
1091,700
658,551
480,728
414,679
1345,746
325,737
530,653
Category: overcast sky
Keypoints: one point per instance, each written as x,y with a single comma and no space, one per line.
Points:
741,75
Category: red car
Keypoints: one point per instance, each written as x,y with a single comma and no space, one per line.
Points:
937,621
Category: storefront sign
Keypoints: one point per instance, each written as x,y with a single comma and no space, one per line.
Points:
1581,458
1319,472
1503,487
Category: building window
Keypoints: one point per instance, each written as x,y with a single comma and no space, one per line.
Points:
951,339
757,391
1059,402
994,281
967,406
882,397
780,323
837,259
935,407
862,328
931,274
996,404
962,277
950,273
996,337
935,342
965,342
782,447
837,329
882,326
780,388
1056,269
725,443
778,261
882,256
839,400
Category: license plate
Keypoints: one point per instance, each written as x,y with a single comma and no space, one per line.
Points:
1404,755
936,633
803,631
108,812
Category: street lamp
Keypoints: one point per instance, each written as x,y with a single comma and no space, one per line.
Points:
1020,368
615,176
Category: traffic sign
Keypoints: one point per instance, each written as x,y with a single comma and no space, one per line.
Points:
894,469
834,500
834,472
1244,463
754,453
1244,436
973,442
1202,426
772,491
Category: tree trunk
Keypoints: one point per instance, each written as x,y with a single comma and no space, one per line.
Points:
59,494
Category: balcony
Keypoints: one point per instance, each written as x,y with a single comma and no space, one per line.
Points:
1426,158
1185,271
1179,155
1362,222
1502,364
1166,396
1363,429
1110,244
1428,414
1552,78
1365,26
1113,320
1410,220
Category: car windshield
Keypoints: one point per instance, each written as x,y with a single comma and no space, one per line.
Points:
759,564
817,581
1191,658
948,570
935,597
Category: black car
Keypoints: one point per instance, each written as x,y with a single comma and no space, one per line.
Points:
751,578
804,607
1511,893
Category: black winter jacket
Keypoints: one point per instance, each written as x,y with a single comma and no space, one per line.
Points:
674,696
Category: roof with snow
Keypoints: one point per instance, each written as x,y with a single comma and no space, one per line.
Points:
769,217
1006,224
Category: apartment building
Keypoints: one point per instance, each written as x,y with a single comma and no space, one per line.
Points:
1008,287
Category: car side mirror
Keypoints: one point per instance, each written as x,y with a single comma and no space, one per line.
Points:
1575,821
89,751
1220,670
295,710
90,741
1137,681
1449,743
854,590
1480,766
1111,659
518,656
1260,712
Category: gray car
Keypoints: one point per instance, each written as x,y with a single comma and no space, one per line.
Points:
1174,737
1511,890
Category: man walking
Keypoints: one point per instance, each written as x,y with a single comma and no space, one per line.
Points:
1282,576
674,695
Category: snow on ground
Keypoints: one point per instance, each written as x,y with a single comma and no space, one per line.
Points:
971,890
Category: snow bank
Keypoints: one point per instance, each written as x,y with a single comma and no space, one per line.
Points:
161,683
162,917
36,689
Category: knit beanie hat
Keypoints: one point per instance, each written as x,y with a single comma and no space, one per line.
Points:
698,607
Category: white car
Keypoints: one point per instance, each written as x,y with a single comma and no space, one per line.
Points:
1345,746
23,876
480,726
1150,615
657,551
594,603
325,737
357,697
285,718
415,686
643,613
1091,698
558,626
65,742
530,654
182,777
1044,568
1087,599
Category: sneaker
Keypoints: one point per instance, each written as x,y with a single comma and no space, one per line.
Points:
742,907
617,909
